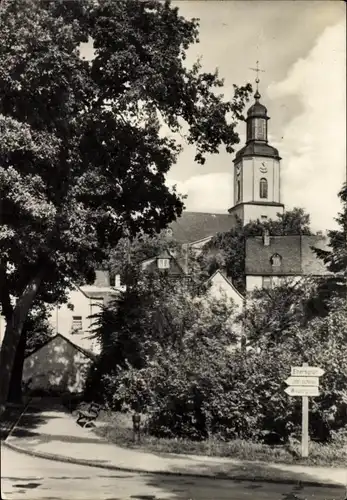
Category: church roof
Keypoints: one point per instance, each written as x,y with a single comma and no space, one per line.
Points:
257,109
298,257
195,226
255,148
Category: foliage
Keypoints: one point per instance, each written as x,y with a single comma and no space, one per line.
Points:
205,390
227,250
38,329
336,259
82,157
271,313
138,249
117,428
156,318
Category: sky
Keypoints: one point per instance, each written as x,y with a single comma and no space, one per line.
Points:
301,47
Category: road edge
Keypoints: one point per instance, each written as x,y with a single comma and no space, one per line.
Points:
239,477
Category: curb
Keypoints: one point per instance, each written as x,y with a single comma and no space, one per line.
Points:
239,477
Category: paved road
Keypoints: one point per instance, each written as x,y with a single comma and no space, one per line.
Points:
29,478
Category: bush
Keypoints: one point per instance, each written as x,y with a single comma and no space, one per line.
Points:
205,390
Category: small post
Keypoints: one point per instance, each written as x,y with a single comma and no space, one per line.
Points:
304,435
136,427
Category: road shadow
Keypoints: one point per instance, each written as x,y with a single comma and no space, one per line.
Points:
9,418
185,488
29,421
32,425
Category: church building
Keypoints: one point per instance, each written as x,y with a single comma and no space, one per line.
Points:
257,196
257,168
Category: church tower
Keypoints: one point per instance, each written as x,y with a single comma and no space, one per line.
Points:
257,170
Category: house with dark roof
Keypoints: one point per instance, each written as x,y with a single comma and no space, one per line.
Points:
166,263
271,260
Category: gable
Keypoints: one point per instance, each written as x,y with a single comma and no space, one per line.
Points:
151,265
56,343
220,285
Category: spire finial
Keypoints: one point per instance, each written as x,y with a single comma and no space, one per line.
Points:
257,80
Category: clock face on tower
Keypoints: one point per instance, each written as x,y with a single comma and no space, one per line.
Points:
263,168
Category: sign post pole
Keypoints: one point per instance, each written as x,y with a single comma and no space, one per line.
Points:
304,430
304,437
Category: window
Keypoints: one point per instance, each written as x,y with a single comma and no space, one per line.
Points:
238,190
263,217
267,282
76,324
117,282
260,129
263,188
163,263
276,260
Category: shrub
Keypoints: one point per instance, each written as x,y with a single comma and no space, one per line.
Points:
205,390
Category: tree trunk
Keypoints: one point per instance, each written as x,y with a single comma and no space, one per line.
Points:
15,390
13,332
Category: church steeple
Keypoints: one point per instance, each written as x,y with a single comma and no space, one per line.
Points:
257,186
257,116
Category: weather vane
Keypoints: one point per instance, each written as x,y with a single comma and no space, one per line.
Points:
257,70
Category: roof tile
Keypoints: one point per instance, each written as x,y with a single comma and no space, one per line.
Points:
298,257
194,226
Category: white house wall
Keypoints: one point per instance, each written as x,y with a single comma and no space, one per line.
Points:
253,282
221,288
62,316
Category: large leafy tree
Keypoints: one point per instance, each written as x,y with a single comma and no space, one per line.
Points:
227,250
336,258
82,157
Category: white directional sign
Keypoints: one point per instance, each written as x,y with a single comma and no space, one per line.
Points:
306,371
303,381
295,390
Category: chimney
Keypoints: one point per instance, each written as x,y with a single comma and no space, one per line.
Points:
102,278
266,238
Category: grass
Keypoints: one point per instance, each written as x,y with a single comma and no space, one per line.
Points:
117,428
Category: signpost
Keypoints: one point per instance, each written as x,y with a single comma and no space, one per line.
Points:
304,382
306,371
302,391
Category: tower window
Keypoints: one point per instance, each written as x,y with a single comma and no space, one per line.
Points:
260,129
238,190
263,188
